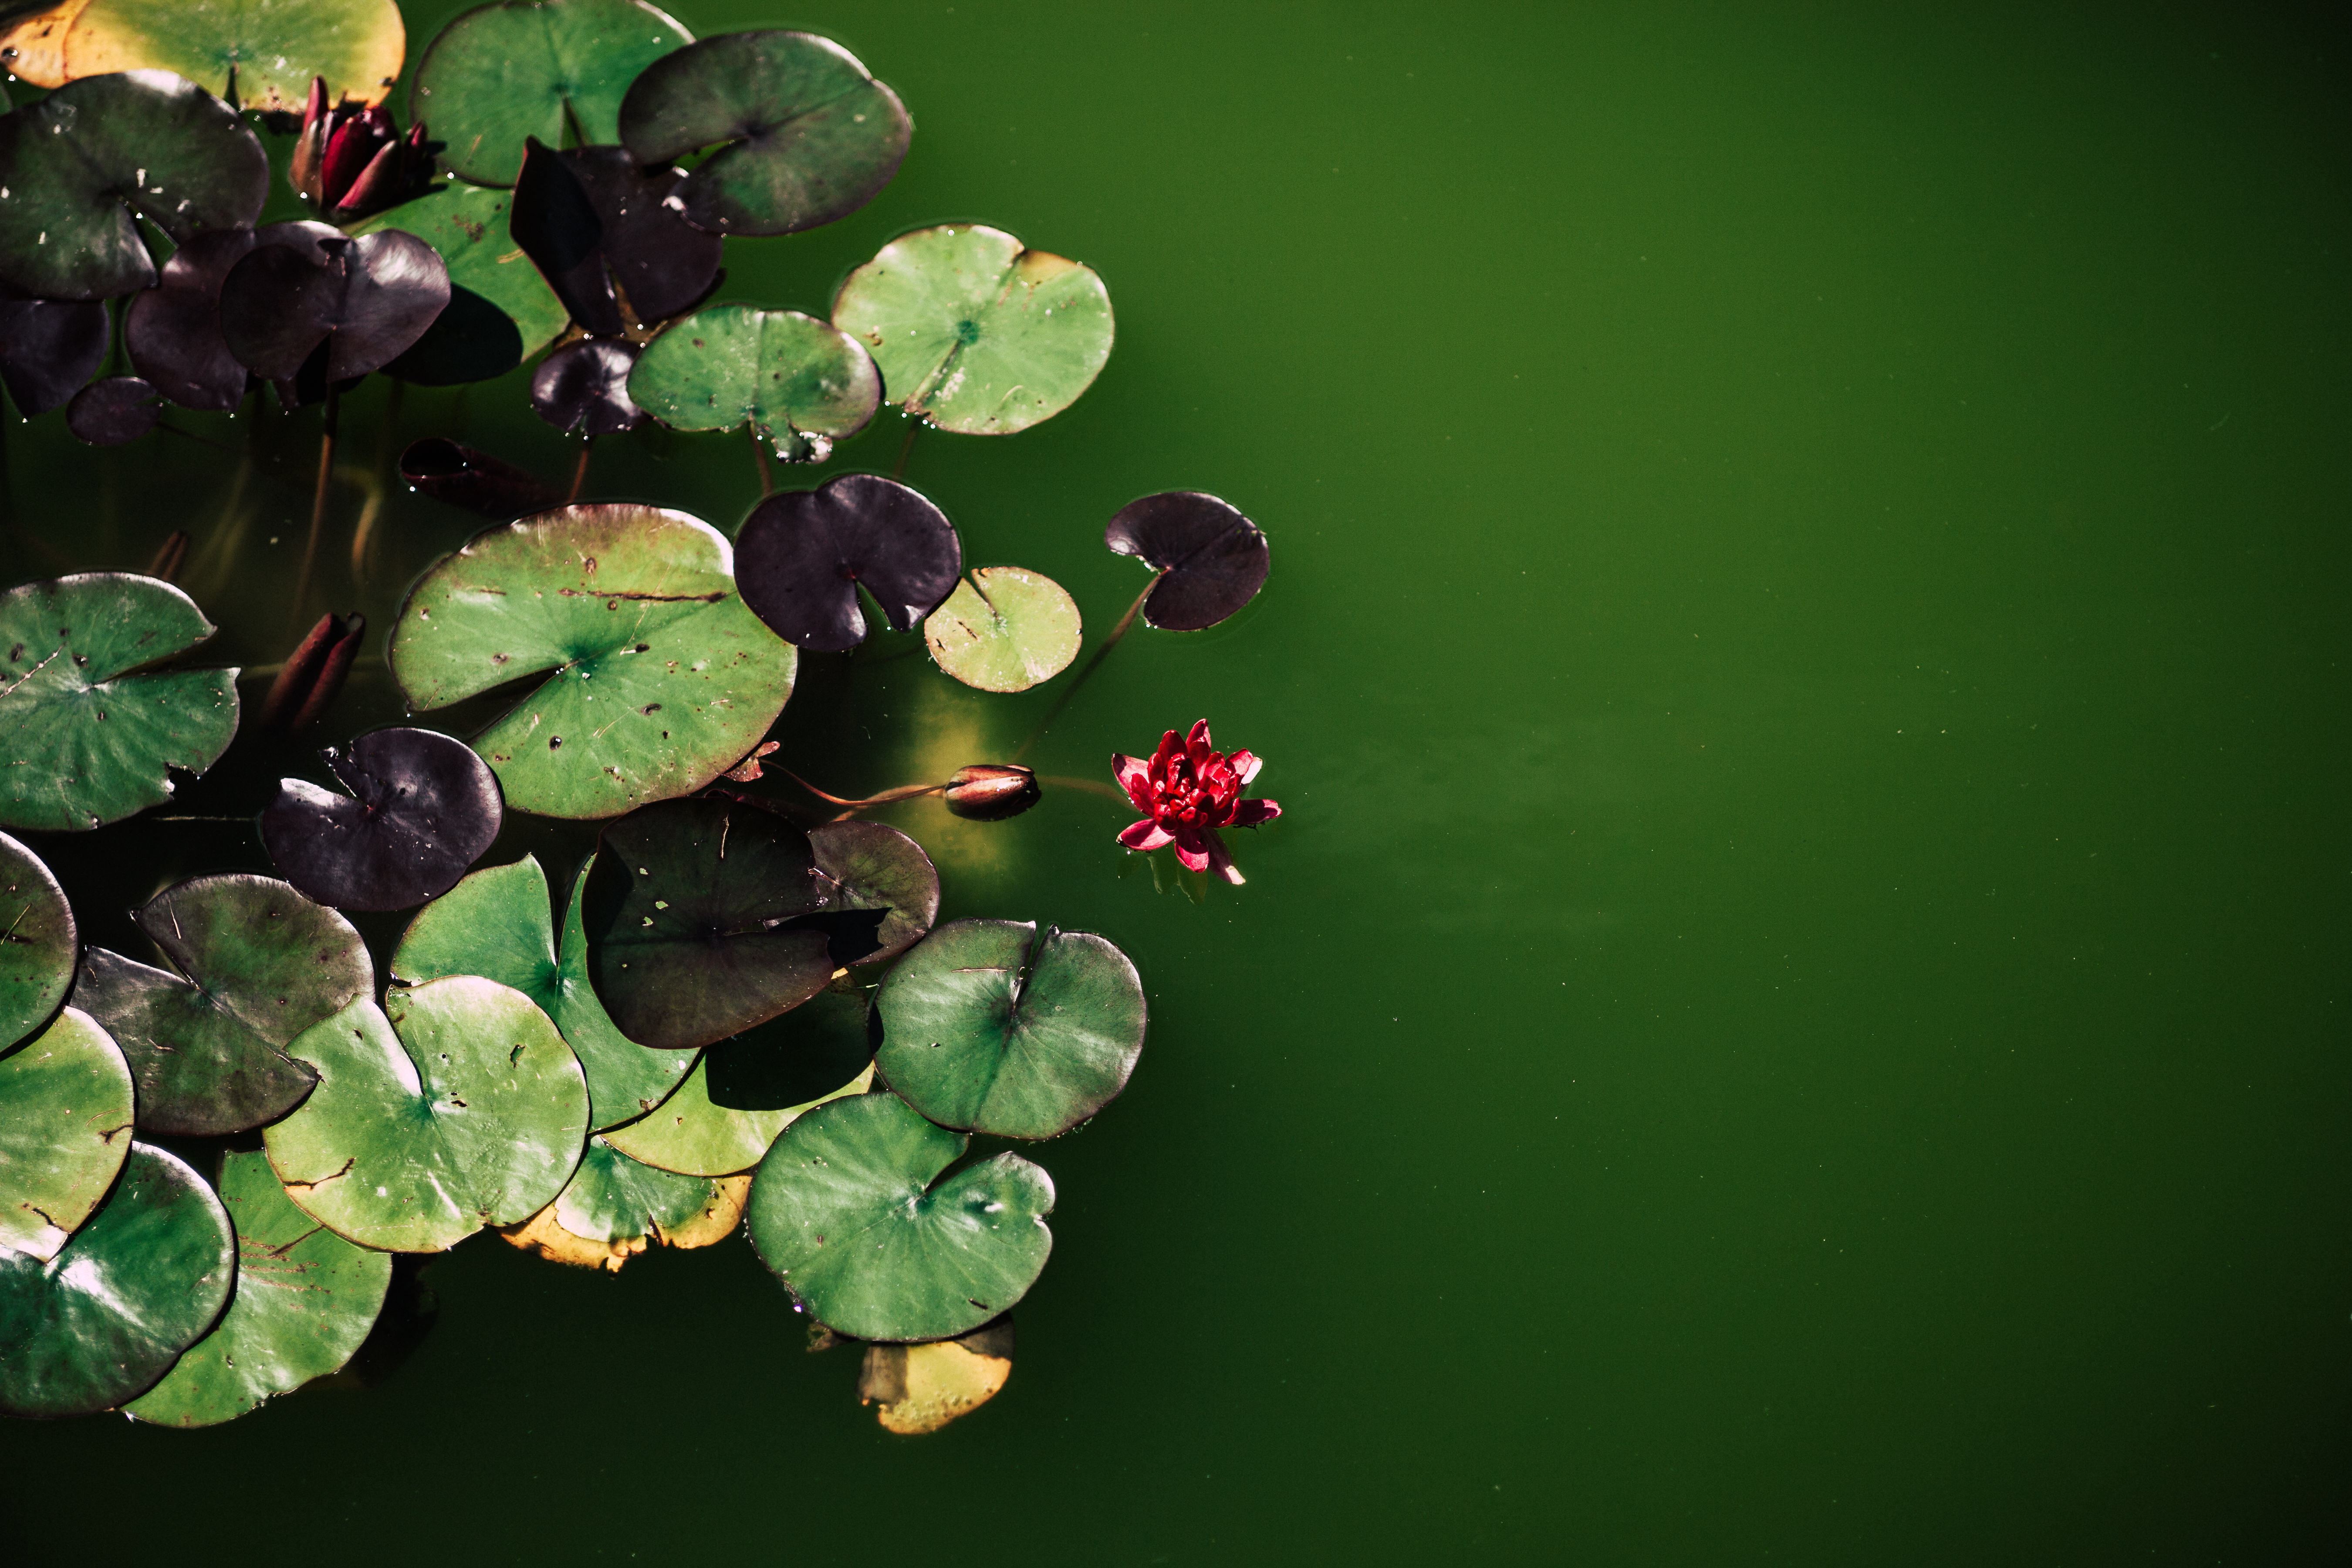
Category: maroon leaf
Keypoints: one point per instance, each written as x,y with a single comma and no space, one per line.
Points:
367,299
48,348
1213,559
116,410
802,553
585,386
422,808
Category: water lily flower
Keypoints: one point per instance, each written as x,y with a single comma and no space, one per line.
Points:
1186,792
351,160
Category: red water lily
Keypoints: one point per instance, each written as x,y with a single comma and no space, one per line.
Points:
1186,792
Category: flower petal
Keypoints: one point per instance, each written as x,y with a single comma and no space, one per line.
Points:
1221,861
1192,848
1245,765
1250,813
1145,836
1134,776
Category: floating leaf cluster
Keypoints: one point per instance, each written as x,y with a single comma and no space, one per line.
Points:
723,1016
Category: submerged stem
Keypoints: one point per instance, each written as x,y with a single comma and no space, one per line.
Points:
318,504
580,473
759,450
1093,664
907,448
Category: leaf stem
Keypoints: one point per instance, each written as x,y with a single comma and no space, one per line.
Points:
907,448
317,505
1093,664
580,473
759,450
904,792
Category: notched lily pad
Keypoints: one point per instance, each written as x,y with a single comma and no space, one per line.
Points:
262,55
48,348
138,1284
1212,559
974,332
263,964
305,1302
472,1114
422,808
37,942
88,730
615,1208
600,229
660,679
922,1388
584,386
501,311
1006,629
800,385
803,554
66,1129
367,301
804,133
846,1212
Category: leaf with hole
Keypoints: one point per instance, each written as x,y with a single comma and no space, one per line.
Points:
261,53
556,69
365,300
80,168
849,1210
438,466
500,311
497,924
263,964
974,332
88,729
615,1208
867,866
37,942
660,678
746,1091
455,1105
584,386
804,133
69,1102
1210,559
48,348
797,382
922,1388
803,554
601,230
998,1026
422,808
305,1302
138,1284
1006,629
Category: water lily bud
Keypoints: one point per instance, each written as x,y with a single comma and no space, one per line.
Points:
991,791
314,673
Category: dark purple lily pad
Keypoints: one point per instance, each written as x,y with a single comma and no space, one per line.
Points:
172,329
1214,558
440,467
584,386
422,808
367,299
871,867
802,553
114,411
47,349
707,916
598,228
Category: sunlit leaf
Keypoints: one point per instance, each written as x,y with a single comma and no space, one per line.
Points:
38,955
922,1388
1211,559
261,53
797,382
1006,629
500,311
65,1128
422,808
802,555
867,866
615,1208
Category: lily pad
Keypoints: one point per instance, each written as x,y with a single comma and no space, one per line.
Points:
136,1286
804,554
367,301
804,134
37,942
604,233
461,476
114,411
615,1208
500,311
797,382
88,732
496,923
47,349
707,916
78,169
584,386
661,680
1006,629
922,1388
68,1126
997,1026
261,53
870,867
172,331
472,1114
263,964
305,1302
1212,559
845,1210
556,69
975,333
422,808
746,1091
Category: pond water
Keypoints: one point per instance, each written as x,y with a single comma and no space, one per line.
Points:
1796,1010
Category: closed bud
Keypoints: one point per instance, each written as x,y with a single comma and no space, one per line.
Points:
991,791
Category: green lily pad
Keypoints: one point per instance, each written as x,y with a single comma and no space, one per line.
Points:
615,1208
65,1126
975,333
1000,1028
305,1302
1005,628
845,1212
661,680
136,1286
85,737
744,1091
473,1113
37,942
556,69
500,311
78,169
804,133
262,52
263,964
799,383
497,924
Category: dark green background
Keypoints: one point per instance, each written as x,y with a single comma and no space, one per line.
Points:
1795,1010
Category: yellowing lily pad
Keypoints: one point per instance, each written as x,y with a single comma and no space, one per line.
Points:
615,1208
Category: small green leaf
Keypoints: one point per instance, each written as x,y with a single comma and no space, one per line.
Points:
473,1113
85,739
305,1302
261,52
975,333
136,1286
64,1125
500,311
37,942
799,383
615,1208
844,1211
744,1091
1005,629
